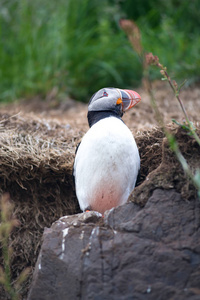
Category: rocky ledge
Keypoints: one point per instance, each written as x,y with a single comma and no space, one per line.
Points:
132,253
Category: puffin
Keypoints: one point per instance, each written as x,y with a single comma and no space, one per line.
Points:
107,160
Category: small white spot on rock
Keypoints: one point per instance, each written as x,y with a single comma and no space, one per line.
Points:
149,289
95,230
65,232
98,214
82,235
39,267
110,210
64,217
88,250
61,222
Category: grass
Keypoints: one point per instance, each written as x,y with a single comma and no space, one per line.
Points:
77,46
6,226
134,36
188,125
175,49
63,44
171,30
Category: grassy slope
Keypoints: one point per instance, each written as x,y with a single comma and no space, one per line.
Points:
78,47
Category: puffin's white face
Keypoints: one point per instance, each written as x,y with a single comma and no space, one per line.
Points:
112,99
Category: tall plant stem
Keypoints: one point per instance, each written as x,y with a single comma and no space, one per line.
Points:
176,90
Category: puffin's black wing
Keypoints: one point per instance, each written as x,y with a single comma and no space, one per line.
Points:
73,165
138,178
77,147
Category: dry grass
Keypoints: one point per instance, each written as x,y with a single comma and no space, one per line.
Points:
36,161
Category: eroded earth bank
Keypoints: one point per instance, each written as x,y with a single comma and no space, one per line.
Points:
148,248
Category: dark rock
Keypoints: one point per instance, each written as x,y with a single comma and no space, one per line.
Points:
131,253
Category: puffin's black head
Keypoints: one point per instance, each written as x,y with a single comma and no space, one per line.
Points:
110,102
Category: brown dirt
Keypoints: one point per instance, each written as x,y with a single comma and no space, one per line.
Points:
38,138
68,111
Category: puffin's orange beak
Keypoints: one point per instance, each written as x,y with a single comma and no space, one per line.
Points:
129,98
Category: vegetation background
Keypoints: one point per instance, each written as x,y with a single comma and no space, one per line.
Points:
77,46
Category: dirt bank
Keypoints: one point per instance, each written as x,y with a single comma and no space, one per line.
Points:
37,145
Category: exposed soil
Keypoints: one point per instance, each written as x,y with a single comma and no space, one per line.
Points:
68,111
37,145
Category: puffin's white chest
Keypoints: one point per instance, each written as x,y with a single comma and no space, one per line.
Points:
106,165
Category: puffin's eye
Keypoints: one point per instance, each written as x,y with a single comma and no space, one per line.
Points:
100,94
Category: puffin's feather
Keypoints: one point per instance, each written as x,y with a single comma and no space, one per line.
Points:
106,165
